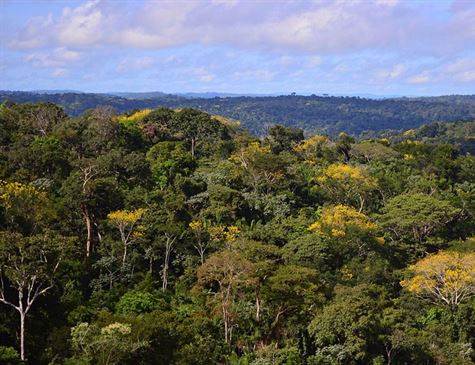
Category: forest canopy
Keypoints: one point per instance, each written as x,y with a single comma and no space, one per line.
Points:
171,236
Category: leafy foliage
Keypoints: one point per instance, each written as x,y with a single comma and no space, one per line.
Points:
165,236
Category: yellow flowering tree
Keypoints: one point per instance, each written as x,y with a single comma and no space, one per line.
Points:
126,223
23,203
135,117
335,221
313,147
231,233
410,133
226,121
446,276
346,184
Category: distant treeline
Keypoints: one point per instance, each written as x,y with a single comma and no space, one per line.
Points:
313,114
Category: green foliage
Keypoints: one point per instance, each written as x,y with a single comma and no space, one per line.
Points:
167,159
346,330
108,345
9,356
173,237
139,302
416,216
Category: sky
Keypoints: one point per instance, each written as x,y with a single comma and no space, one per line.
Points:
379,47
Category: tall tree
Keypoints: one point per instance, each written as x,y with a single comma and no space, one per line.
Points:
227,270
126,222
27,266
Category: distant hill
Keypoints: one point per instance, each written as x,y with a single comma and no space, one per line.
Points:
459,134
55,91
313,114
138,95
210,95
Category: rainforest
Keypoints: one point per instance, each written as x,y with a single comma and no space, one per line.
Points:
172,236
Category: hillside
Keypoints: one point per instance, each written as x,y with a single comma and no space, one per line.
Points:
313,114
459,134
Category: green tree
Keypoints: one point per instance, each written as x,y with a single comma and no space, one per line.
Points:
227,271
167,160
284,138
416,216
345,331
108,345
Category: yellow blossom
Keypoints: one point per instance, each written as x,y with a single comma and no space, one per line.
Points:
136,116
216,233
344,172
336,220
380,240
15,193
231,233
196,226
446,276
311,143
125,216
410,133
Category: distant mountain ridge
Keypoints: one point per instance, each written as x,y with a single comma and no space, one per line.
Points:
313,114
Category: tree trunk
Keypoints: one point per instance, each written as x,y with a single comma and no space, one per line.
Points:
227,324
22,335
258,306
362,201
202,257
165,265
87,218
201,249
193,146
168,249
165,272
124,256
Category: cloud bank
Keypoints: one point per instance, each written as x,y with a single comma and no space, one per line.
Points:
360,44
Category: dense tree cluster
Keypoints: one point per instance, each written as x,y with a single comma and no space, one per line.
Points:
172,237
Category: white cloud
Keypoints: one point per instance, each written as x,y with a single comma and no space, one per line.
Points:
393,73
84,25
286,60
274,44
134,64
262,75
461,70
466,76
314,61
67,54
58,57
36,33
204,75
419,79
81,26
313,27
60,73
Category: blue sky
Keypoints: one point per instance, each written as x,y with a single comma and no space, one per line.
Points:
382,47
